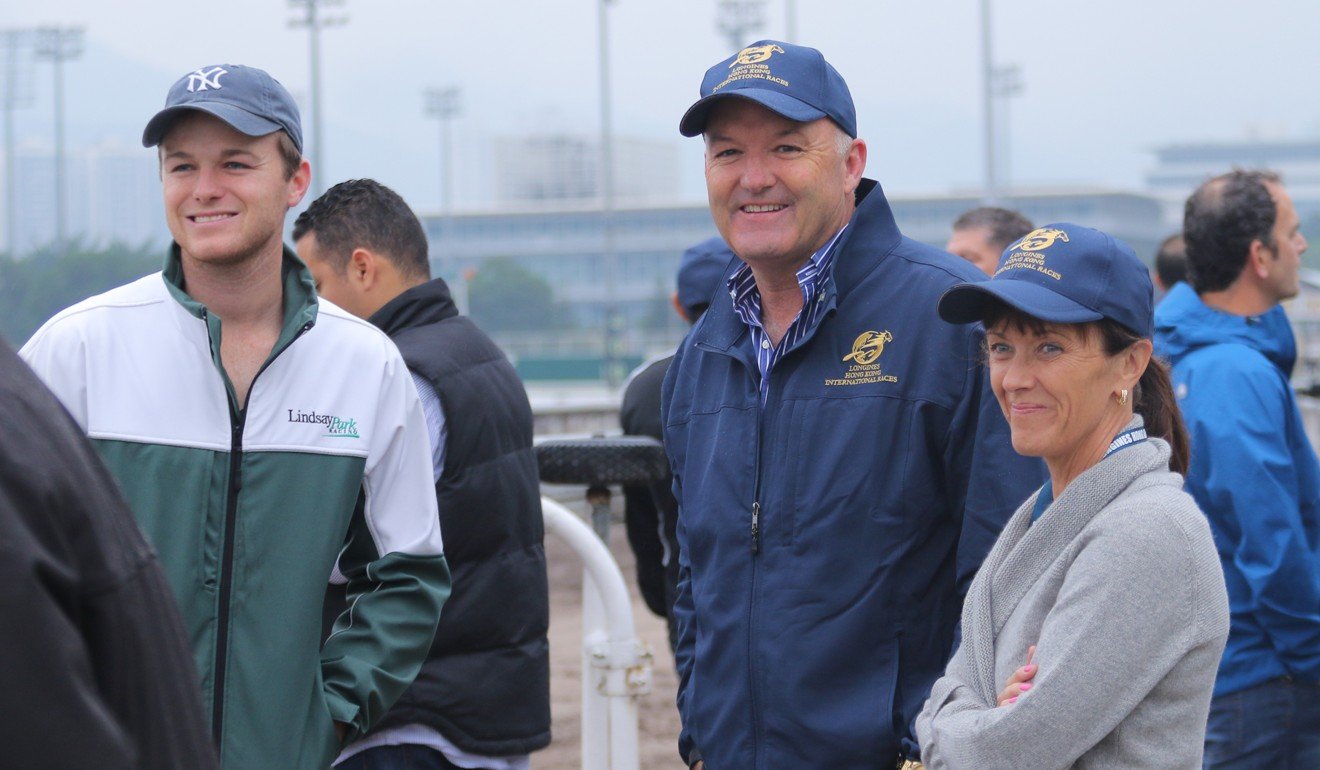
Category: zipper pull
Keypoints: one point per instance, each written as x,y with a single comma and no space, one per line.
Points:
756,527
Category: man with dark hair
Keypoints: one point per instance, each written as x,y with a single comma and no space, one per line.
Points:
1253,470
482,699
261,437
1170,262
93,655
981,235
650,511
840,464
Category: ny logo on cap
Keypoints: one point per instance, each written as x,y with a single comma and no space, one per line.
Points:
201,81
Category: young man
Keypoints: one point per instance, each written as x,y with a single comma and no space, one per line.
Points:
482,699
1253,472
840,465
260,438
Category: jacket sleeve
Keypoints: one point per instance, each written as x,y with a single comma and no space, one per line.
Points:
1248,478
394,561
685,648
988,478
1097,656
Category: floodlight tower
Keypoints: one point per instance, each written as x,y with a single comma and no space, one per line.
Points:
58,45
314,21
443,105
738,18
15,94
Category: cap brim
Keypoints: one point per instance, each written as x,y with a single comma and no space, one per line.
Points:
966,302
240,119
694,120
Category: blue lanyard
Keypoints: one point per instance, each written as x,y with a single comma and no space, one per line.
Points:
1122,441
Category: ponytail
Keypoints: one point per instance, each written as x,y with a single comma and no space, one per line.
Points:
1153,399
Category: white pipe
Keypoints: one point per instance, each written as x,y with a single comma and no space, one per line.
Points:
616,666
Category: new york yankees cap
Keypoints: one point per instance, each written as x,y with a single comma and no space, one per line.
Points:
791,80
248,99
1063,273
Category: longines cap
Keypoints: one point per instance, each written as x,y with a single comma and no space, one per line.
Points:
1063,273
248,99
791,80
699,273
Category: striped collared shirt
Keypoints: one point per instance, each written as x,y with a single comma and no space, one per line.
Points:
747,303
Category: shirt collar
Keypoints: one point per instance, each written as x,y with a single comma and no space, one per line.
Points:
810,277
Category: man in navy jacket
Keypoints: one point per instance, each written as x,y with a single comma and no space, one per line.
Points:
840,465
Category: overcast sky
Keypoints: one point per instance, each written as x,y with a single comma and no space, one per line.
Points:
1104,82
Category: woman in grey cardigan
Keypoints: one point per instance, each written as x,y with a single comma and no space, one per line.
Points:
1092,633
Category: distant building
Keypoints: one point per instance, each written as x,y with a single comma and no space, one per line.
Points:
564,167
112,194
1181,168
564,243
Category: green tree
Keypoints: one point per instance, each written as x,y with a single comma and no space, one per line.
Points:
505,296
35,288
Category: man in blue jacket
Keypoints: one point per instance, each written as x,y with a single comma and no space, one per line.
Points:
839,463
1253,471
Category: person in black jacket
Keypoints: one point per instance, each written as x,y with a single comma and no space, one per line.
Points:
93,656
650,511
482,699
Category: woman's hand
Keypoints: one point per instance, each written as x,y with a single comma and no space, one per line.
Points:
1020,681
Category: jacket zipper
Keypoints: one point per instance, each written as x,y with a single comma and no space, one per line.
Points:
237,421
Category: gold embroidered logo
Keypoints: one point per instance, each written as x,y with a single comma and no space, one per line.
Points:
750,64
1025,254
1041,239
756,54
865,355
868,346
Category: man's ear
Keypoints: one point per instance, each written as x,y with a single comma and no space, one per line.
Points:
1260,259
363,269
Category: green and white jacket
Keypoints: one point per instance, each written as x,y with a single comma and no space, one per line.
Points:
249,506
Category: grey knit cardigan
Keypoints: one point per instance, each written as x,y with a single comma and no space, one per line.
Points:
1118,584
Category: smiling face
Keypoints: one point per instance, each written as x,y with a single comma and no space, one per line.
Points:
778,189
226,193
1056,386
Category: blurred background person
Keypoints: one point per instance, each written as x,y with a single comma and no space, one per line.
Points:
1254,472
981,235
1170,263
650,511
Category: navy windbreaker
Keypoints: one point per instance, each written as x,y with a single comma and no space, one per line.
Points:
814,642
1256,477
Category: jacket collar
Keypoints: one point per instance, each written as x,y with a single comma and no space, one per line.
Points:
298,296
425,303
872,226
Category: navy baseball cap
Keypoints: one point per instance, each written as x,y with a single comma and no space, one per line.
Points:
1063,273
699,273
248,99
791,80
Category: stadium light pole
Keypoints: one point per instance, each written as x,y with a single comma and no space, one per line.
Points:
790,21
58,45
443,105
17,93
315,22
605,175
737,18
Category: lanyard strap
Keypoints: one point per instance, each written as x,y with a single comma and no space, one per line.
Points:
1126,439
